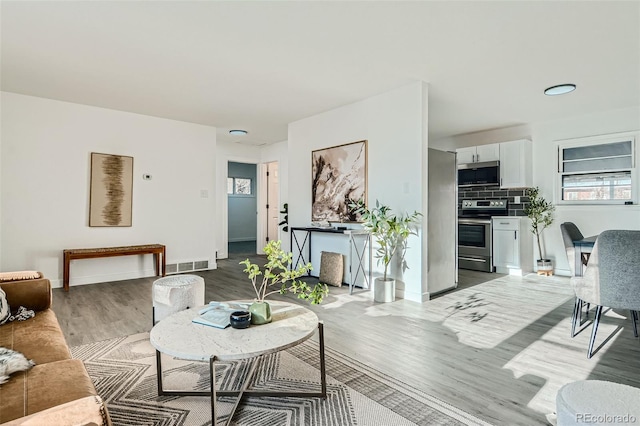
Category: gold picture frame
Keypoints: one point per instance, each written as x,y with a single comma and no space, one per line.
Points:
111,190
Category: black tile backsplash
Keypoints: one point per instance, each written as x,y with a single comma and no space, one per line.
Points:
493,193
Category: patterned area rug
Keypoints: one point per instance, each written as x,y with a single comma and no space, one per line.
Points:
124,373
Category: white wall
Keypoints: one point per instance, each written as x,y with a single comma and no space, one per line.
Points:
394,124
545,136
45,174
505,134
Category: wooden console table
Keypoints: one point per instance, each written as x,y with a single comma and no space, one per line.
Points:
158,250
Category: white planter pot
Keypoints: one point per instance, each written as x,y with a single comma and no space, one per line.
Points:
384,291
544,265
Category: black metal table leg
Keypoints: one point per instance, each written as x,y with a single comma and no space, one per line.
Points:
212,384
300,248
323,370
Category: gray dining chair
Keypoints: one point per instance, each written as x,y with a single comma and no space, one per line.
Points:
571,233
612,277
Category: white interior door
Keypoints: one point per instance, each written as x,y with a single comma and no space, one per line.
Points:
273,201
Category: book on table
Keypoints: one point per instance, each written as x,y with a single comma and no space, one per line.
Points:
217,314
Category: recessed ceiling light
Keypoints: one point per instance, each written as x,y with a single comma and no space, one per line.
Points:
560,89
238,132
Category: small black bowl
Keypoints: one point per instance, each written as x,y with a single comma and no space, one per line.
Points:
240,319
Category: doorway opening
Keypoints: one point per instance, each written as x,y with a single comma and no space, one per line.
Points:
242,208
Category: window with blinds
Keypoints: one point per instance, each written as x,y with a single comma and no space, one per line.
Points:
597,171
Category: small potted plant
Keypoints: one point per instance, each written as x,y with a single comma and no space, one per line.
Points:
390,232
277,272
540,211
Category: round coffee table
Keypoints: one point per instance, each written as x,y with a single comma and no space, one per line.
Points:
291,325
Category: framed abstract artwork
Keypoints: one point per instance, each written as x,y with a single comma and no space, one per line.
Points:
111,196
338,177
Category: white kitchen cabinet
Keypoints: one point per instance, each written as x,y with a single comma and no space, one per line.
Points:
512,245
516,164
466,155
478,154
489,152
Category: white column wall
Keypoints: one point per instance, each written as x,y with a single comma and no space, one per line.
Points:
45,174
393,125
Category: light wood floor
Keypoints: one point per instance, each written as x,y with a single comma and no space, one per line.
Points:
497,347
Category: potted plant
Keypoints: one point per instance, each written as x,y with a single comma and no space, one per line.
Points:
540,211
390,232
277,271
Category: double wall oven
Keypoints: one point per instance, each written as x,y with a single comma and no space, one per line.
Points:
475,245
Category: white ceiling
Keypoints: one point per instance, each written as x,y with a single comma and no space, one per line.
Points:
261,65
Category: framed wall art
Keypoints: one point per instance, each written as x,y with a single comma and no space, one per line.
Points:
111,194
339,176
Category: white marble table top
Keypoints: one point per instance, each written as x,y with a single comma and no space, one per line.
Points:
177,336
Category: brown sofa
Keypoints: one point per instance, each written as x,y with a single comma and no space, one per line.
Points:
57,387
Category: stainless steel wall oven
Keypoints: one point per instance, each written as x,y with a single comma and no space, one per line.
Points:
475,244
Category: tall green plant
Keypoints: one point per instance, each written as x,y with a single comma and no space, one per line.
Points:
540,211
390,231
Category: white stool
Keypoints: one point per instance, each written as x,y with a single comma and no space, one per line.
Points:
176,293
596,402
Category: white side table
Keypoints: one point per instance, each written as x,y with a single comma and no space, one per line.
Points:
176,293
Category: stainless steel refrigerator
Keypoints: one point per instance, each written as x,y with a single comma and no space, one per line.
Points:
442,228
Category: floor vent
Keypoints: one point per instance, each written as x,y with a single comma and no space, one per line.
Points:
201,264
198,265
186,266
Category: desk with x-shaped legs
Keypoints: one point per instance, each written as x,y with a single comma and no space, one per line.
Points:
359,243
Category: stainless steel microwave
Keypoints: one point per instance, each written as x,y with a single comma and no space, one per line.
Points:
479,174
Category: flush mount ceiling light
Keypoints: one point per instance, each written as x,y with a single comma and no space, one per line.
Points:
560,89
238,132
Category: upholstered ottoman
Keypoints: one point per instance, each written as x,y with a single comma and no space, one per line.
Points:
176,293
596,402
